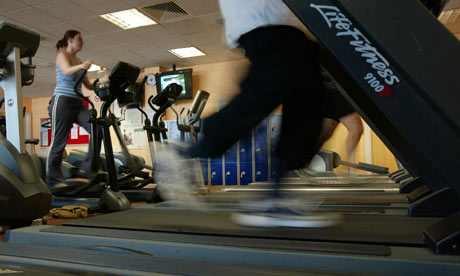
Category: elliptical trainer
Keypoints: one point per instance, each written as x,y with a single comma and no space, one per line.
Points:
122,76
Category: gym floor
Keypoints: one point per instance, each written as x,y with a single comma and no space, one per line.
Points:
54,221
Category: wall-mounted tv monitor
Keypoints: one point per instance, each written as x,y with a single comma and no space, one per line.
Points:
181,77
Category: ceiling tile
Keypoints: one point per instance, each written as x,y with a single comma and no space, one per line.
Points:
117,38
172,42
103,6
8,5
199,7
104,40
97,58
117,52
44,83
12,21
65,10
152,33
186,26
58,30
141,47
202,38
95,25
94,42
47,74
46,39
214,21
47,53
38,61
34,2
159,55
148,64
32,17
124,55
86,53
213,48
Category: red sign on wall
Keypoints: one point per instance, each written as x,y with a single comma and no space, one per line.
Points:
77,134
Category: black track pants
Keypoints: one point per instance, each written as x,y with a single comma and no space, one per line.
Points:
63,111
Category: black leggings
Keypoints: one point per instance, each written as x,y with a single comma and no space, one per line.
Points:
64,112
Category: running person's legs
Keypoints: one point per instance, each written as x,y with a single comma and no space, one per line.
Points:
355,129
284,71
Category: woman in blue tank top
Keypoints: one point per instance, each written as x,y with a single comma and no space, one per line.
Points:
66,107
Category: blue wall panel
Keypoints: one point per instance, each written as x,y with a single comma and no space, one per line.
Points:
231,162
246,162
274,131
261,151
216,171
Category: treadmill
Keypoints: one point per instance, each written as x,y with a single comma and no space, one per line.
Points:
370,31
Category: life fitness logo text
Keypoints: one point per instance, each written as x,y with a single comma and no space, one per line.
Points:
382,77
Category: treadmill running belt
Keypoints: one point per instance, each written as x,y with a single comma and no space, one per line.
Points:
329,198
377,229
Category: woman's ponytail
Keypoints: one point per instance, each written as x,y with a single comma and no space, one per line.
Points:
62,43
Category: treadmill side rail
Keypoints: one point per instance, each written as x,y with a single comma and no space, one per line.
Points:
438,204
443,237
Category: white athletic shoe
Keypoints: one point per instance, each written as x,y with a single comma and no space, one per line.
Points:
273,220
176,178
280,213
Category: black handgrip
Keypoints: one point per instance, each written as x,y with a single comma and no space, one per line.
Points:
138,105
151,104
142,85
79,80
94,84
142,111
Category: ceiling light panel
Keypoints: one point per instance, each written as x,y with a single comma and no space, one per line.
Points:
186,52
128,19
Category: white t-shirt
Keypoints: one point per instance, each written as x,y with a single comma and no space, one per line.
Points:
242,16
